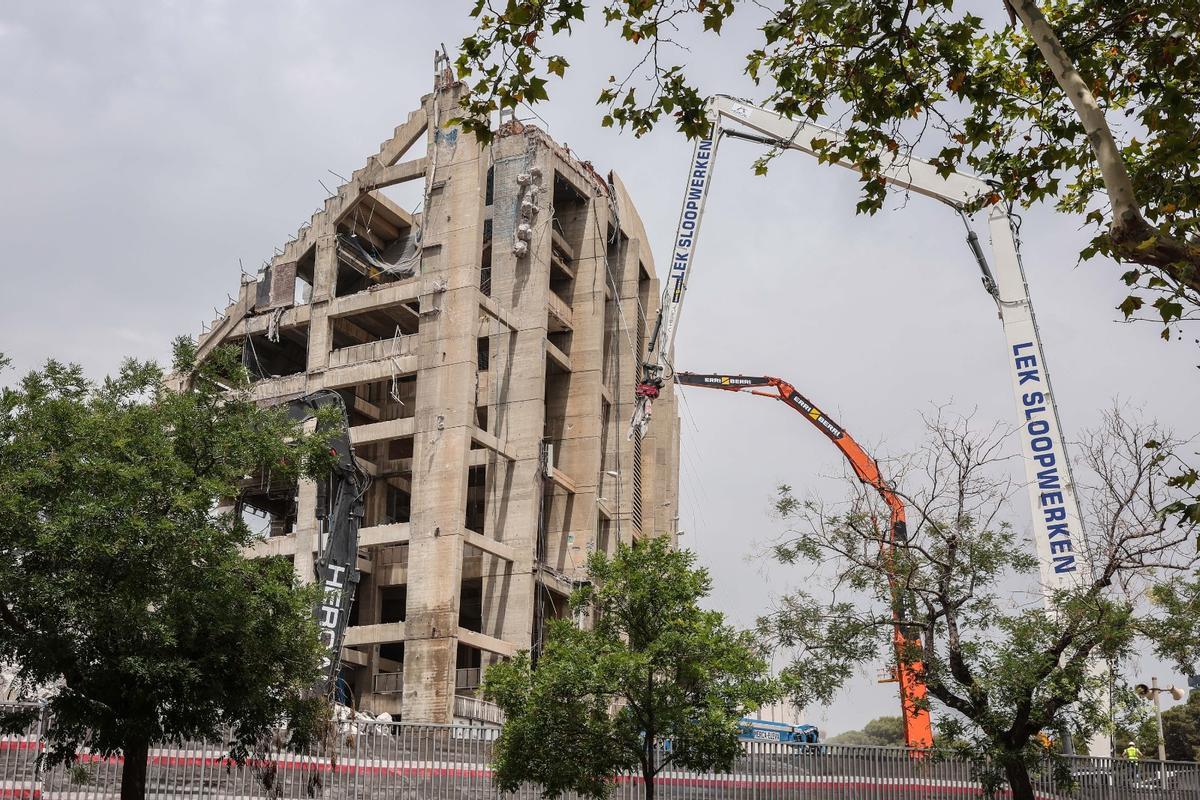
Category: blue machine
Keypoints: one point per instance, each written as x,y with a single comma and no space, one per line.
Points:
761,730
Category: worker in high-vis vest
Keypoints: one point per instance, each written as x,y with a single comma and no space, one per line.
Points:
1133,755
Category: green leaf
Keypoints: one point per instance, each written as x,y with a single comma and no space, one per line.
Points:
536,90
1130,305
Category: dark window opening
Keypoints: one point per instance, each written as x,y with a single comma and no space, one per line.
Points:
608,364
399,504
603,534
268,509
393,603
485,260
389,500
264,358
568,228
390,324
376,244
356,609
476,510
400,448
543,536
468,674
482,352
381,401
549,605
470,604
561,340
558,386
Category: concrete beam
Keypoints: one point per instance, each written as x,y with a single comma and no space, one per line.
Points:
561,480
394,533
558,357
485,642
561,244
388,295
366,408
294,317
560,312
604,507
400,215
398,173
489,545
485,439
369,371
404,137
391,575
279,389
383,633
382,431
355,657
274,546
554,580
496,311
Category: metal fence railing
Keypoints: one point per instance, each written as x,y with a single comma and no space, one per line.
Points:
373,761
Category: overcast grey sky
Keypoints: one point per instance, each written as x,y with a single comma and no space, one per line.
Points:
146,147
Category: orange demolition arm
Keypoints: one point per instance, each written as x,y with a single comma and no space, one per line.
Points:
918,731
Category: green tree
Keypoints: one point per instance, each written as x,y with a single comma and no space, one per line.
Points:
879,732
653,667
1133,721
124,591
1002,668
1181,730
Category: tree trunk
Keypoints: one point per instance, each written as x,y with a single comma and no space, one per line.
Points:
133,774
1018,778
648,765
1129,232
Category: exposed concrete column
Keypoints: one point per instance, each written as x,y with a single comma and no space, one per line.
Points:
306,530
626,272
444,416
580,457
517,377
320,334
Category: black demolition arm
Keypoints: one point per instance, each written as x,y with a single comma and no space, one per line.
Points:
340,510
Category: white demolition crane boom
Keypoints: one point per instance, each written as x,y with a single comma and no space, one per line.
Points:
1056,519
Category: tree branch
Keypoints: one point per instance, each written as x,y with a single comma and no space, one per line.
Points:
10,619
1131,235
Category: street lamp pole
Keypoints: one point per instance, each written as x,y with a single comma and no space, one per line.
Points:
1162,745
1152,691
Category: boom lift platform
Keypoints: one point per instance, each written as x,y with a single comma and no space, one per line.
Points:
1055,510
918,730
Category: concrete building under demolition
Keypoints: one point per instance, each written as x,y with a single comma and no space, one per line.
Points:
486,346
